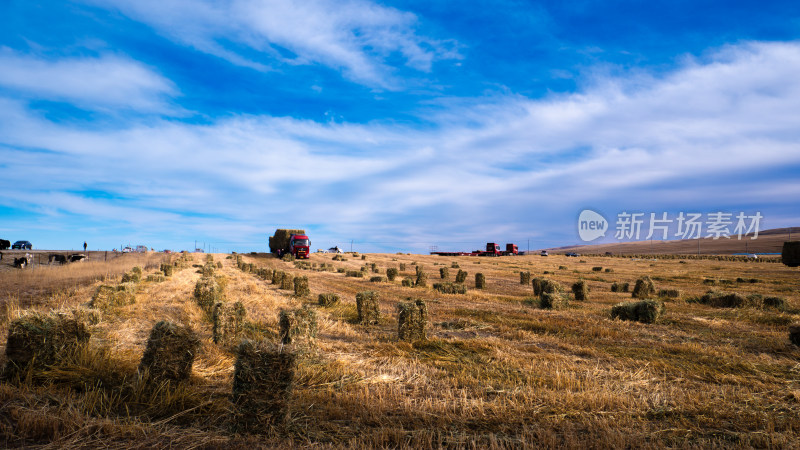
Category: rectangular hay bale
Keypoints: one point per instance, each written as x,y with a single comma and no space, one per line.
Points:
367,307
228,320
262,384
170,352
36,341
412,320
299,325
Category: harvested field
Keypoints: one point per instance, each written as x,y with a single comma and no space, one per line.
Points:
491,370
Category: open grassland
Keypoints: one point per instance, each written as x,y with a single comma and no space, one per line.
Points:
495,371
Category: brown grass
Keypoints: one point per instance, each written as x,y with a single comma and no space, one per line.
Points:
493,373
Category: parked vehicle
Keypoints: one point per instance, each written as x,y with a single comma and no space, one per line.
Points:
573,254
543,253
492,249
294,242
22,245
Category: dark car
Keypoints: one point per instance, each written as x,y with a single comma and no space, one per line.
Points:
573,254
22,245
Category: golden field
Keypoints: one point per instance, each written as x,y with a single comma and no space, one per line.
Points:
496,371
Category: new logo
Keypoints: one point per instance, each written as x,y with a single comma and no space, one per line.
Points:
591,225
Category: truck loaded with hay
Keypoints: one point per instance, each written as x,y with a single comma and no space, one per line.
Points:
292,242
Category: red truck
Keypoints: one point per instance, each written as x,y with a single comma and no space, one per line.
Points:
299,245
294,242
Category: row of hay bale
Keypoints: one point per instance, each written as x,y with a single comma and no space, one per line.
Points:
123,294
263,372
456,287
227,318
551,296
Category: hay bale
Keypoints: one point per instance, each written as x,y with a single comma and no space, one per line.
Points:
131,277
207,293
137,270
553,300
545,285
775,302
645,311
443,273
378,279
412,320
669,293
644,288
36,341
354,273
301,287
422,278
580,290
277,276
367,306
391,273
207,270
461,276
167,269
790,253
129,287
262,384
103,297
480,281
156,278
87,316
108,296
287,283
524,278
170,352
299,325
402,267
597,269
228,320
328,299
450,288
728,300
794,334
408,282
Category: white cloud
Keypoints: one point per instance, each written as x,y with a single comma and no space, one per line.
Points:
516,166
108,82
353,36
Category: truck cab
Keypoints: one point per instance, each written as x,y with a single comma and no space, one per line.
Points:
299,246
512,249
493,249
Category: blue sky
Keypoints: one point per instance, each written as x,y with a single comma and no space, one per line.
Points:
397,125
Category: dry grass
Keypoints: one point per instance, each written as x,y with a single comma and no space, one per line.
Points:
493,372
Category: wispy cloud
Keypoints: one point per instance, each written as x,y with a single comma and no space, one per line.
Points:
513,165
107,82
356,37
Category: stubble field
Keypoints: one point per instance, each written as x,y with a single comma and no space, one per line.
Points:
496,369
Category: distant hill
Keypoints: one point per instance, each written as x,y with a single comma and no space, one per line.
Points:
768,241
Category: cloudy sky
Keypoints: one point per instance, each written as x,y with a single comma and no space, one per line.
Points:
397,125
